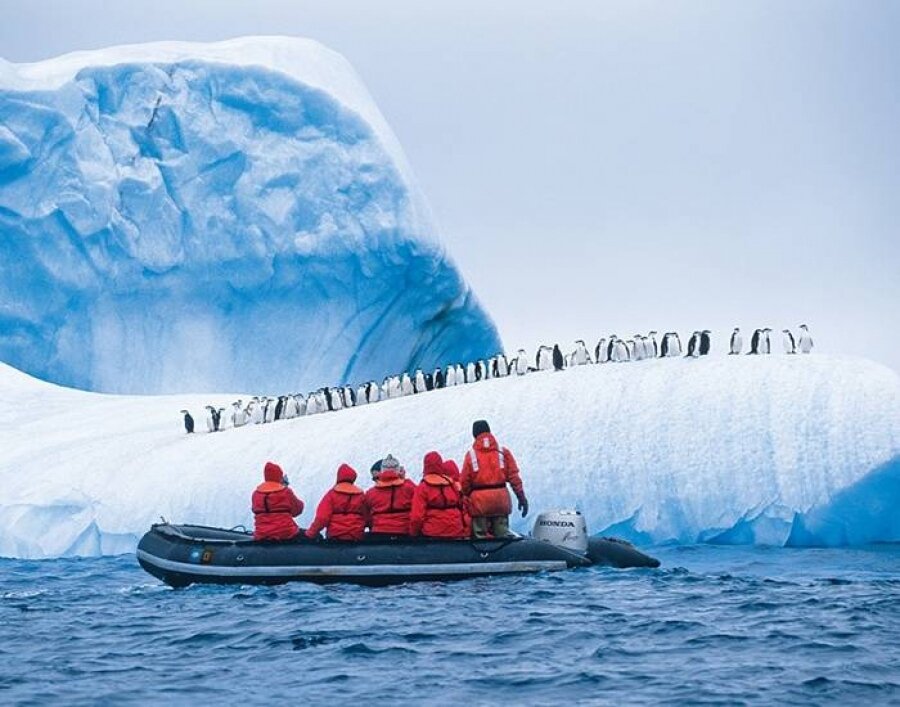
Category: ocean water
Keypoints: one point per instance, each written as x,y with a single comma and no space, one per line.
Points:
714,625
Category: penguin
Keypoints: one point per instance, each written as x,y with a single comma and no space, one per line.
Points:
790,346
420,386
693,344
279,408
188,422
653,351
558,362
217,418
631,347
438,378
581,355
766,341
544,358
460,374
806,342
521,363
490,368
469,376
620,352
270,410
429,382
671,345
502,366
450,377
495,367
754,342
373,392
479,370
301,402
736,345
600,353
210,420
349,397
406,384
238,416
611,348
322,403
705,342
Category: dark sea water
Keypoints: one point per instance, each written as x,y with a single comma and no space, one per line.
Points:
714,625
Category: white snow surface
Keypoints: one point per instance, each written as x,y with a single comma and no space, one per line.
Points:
174,214
781,450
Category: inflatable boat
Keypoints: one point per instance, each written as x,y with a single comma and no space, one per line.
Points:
181,555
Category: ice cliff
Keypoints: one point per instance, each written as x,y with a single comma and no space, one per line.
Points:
225,216
741,450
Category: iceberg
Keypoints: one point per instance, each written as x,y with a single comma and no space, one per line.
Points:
781,450
231,216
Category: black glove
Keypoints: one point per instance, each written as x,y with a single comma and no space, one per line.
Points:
523,506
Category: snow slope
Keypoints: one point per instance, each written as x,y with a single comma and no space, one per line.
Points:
238,215
782,450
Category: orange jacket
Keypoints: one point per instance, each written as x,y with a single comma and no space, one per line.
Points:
486,471
390,501
437,509
274,507
343,511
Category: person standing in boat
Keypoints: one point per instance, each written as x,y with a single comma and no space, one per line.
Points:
390,499
486,471
275,506
343,511
437,507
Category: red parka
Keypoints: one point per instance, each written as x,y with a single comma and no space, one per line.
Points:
274,507
437,509
486,471
390,502
343,511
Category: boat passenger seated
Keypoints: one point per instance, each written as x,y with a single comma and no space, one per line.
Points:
343,511
437,510
390,500
275,506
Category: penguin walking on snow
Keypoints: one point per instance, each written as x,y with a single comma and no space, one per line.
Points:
736,345
754,342
705,342
581,355
558,361
188,422
806,342
790,346
521,363
652,348
693,345
210,419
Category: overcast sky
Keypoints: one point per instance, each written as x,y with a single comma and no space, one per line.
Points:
601,167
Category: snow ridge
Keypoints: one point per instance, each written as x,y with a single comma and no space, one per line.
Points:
774,450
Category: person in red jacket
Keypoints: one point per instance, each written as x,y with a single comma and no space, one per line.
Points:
437,510
390,500
275,506
343,511
486,471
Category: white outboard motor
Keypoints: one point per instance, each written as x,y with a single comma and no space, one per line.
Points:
562,528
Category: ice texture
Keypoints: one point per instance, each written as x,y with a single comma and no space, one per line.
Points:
233,216
741,450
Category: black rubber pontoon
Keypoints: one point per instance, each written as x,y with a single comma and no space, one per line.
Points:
180,555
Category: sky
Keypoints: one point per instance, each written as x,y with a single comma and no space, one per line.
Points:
613,167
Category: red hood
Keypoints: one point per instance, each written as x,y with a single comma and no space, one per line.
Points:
346,473
451,470
273,472
432,464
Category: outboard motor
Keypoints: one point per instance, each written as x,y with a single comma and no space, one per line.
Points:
568,529
562,528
